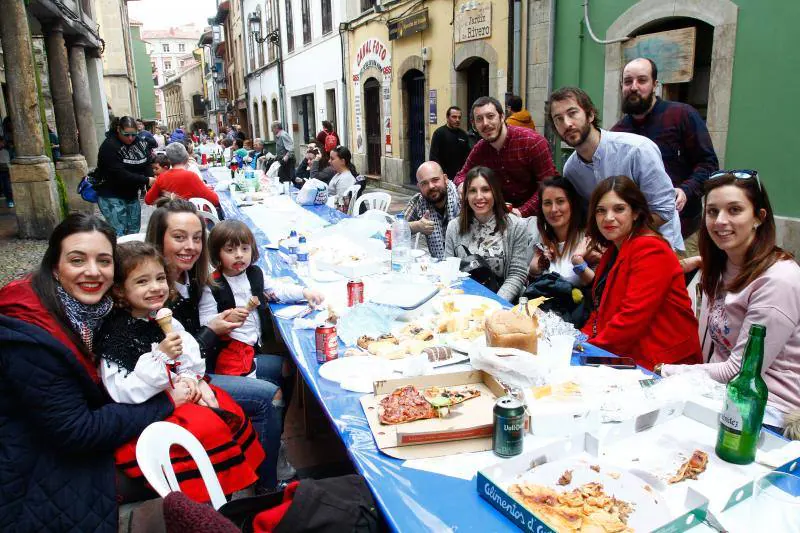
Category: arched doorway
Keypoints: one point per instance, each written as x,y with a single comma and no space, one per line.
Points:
372,111
414,87
477,80
265,119
275,116
256,122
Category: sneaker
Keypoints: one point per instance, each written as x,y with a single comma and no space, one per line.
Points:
10,204
285,469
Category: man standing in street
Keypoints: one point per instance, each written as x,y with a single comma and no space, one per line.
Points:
679,132
433,207
284,151
450,144
517,116
600,154
520,157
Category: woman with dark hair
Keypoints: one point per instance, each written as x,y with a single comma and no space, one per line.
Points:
746,279
485,228
58,427
640,305
123,166
180,235
344,171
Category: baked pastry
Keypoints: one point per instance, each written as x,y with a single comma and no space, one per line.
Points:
438,353
508,329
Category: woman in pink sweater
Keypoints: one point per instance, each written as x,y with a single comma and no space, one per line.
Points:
746,279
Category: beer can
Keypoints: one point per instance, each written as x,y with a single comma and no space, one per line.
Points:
355,292
327,343
509,426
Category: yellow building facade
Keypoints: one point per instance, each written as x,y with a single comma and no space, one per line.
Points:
408,64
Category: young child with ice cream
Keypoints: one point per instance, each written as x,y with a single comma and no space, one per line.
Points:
239,283
144,351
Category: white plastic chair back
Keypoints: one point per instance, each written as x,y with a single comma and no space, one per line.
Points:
203,205
152,454
210,218
377,215
351,195
373,200
130,238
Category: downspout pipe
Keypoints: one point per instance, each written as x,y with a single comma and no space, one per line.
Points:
589,28
517,47
344,131
246,64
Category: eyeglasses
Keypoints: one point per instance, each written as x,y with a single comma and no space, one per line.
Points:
739,174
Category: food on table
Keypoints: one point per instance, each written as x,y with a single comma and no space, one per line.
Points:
416,331
164,320
385,348
565,479
438,396
508,329
587,508
596,468
333,317
438,353
403,405
567,389
449,323
692,468
363,341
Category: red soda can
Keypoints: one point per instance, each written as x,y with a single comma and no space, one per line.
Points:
355,292
387,238
327,342
203,159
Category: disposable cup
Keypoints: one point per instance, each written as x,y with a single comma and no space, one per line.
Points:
775,505
450,270
560,352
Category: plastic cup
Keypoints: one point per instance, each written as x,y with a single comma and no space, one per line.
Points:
450,268
561,350
775,504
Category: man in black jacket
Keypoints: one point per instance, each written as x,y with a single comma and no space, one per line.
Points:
450,144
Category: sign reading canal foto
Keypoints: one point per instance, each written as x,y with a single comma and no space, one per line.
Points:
372,53
473,23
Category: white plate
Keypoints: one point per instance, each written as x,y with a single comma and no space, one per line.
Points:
649,507
360,367
466,302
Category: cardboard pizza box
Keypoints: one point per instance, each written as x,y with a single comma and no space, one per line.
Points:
468,427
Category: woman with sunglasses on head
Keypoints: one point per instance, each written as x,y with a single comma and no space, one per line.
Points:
640,305
746,279
123,167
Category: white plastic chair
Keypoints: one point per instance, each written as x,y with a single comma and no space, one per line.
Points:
350,196
374,200
152,454
210,218
377,215
203,205
130,238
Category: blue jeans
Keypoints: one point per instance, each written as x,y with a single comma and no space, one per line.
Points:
125,216
255,396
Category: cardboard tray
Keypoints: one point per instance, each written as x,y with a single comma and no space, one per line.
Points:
468,427
630,438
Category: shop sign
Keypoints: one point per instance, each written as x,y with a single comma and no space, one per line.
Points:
372,53
473,23
432,118
408,25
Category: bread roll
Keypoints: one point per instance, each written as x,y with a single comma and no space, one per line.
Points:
507,329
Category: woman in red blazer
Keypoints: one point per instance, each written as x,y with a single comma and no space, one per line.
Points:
641,308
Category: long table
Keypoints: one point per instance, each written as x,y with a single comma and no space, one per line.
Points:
411,499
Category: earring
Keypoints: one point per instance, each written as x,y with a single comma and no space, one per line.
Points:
755,226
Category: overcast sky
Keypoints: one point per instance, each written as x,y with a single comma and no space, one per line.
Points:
160,14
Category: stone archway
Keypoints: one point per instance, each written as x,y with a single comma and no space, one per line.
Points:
722,15
463,56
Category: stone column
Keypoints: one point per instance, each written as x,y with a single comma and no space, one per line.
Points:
58,64
82,98
32,176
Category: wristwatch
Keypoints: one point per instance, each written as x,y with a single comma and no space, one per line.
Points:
657,369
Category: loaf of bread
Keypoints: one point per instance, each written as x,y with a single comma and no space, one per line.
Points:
508,329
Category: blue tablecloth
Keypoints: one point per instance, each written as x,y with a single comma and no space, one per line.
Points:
412,500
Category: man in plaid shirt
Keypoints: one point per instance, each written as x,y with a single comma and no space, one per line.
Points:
433,207
520,157
681,136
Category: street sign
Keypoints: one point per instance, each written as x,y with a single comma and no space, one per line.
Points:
408,25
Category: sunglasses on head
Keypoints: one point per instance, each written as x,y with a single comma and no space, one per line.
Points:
739,174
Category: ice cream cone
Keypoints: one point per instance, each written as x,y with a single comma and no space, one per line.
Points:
252,303
164,320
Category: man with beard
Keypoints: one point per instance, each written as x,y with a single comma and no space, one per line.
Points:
520,157
681,135
450,144
600,154
433,207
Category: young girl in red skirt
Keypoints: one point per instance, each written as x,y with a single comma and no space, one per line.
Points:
138,360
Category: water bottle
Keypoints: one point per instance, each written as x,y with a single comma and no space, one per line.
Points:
401,245
291,244
302,257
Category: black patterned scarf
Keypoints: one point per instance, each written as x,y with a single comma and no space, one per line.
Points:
85,318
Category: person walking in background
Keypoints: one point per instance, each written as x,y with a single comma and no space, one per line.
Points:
124,168
450,144
516,115
160,139
679,132
143,132
284,148
327,139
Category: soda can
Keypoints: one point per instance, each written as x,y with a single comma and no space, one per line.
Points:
509,426
355,292
387,238
327,342
203,159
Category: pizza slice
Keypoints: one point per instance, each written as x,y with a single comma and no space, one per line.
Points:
404,405
447,396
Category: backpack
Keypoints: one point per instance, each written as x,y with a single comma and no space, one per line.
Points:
330,142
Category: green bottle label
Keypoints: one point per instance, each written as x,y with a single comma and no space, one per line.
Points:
731,419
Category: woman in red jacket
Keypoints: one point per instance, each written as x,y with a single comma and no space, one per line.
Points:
641,308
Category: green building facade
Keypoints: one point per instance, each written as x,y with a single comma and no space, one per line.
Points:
144,75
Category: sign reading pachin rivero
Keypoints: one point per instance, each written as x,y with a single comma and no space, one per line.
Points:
473,23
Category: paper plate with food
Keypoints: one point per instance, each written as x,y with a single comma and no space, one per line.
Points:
408,404
465,303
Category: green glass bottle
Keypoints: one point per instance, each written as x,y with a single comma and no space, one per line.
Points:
745,401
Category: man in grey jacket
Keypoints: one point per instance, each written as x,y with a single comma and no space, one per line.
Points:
284,152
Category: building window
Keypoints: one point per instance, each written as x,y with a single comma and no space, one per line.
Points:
167,65
261,45
165,47
289,26
252,50
306,13
181,47
270,25
366,5
327,22
181,63
197,105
